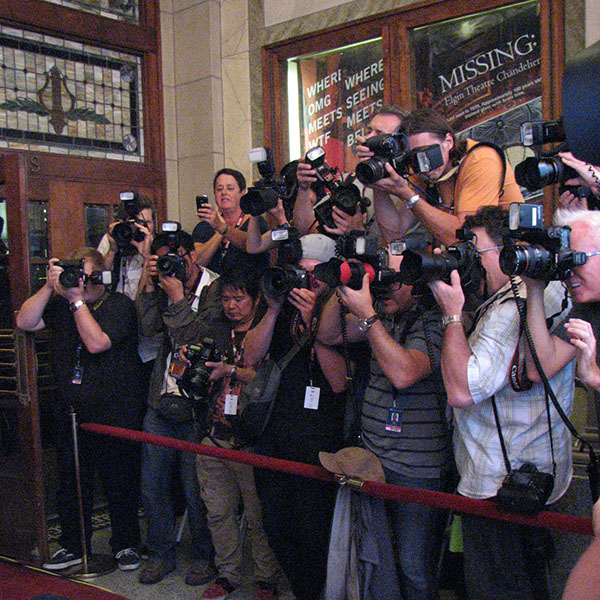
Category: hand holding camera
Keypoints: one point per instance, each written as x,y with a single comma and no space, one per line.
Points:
305,301
581,335
450,297
208,214
358,302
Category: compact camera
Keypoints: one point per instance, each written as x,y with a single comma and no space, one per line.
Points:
264,194
126,232
393,149
194,382
171,263
73,272
345,196
546,255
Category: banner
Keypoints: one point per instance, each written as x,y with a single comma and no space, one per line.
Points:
475,68
338,93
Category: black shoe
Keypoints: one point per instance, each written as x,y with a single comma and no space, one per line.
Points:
62,559
128,559
155,571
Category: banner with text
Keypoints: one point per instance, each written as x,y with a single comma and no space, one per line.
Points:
338,93
479,67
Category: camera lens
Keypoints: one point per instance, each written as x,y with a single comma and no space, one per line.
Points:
422,266
171,264
534,173
122,234
529,260
70,277
258,201
369,171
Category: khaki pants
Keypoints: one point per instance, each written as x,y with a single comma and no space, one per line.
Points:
222,485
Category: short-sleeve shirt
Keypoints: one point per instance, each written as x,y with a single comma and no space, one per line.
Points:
229,254
109,392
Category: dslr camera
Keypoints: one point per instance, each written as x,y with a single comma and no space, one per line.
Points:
171,263
289,247
419,268
393,148
264,194
73,272
360,255
525,490
126,232
346,196
546,255
194,381
277,282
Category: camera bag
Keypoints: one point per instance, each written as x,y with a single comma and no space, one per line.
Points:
258,397
175,408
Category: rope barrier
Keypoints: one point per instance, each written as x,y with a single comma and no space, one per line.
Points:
484,508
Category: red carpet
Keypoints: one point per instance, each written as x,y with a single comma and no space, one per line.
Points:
18,582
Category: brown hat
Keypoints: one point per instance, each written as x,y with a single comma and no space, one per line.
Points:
353,462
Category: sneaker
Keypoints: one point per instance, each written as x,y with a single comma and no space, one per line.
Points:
128,559
62,559
155,571
266,591
200,573
219,589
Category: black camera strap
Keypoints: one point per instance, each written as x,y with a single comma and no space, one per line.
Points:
592,468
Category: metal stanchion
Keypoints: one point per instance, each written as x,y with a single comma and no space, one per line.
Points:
96,564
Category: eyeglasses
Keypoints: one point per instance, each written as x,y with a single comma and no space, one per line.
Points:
590,254
482,250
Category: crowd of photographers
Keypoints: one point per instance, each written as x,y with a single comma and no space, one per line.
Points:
416,310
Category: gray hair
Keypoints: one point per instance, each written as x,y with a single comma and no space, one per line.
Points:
590,218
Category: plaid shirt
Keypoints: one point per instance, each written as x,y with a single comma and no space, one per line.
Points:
522,415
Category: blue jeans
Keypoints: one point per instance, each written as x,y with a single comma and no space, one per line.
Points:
158,468
418,531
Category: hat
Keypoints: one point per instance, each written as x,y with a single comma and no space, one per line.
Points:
317,246
353,462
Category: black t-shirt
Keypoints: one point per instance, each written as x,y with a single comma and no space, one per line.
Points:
300,433
228,253
110,388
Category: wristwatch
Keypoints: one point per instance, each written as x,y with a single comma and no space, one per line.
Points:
365,324
75,306
446,320
412,201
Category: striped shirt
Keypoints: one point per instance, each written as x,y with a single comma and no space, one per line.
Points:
522,415
423,445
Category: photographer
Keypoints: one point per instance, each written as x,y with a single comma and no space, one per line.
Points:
502,560
223,484
168,305
403,414
221,234
583,327
471,176
589,175
96,371
307,417
386,119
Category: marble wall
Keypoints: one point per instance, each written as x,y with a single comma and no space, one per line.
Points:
212,76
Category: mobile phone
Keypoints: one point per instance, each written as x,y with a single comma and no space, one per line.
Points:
200,200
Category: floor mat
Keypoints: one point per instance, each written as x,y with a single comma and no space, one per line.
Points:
18,582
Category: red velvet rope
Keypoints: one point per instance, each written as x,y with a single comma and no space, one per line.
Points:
484,508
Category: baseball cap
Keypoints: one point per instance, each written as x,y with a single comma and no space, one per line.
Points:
317,246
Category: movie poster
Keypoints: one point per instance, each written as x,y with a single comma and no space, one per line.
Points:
484,68
338,93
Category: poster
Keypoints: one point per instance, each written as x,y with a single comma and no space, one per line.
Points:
477,68
339,92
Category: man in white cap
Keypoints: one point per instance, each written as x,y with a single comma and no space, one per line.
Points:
307,418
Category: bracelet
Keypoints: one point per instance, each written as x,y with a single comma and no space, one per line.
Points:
224,232
451,319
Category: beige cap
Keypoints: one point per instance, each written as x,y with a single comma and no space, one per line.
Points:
353,462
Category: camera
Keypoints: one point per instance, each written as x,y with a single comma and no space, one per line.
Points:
419,268
536,173
279,281
393,148
171,263
194,381
525,490
264,194
73,272
547,255
363,257
535,133
346,196
126,232
289,247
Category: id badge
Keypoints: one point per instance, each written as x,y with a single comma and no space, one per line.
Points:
231,402
394,419
311,397
77,375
